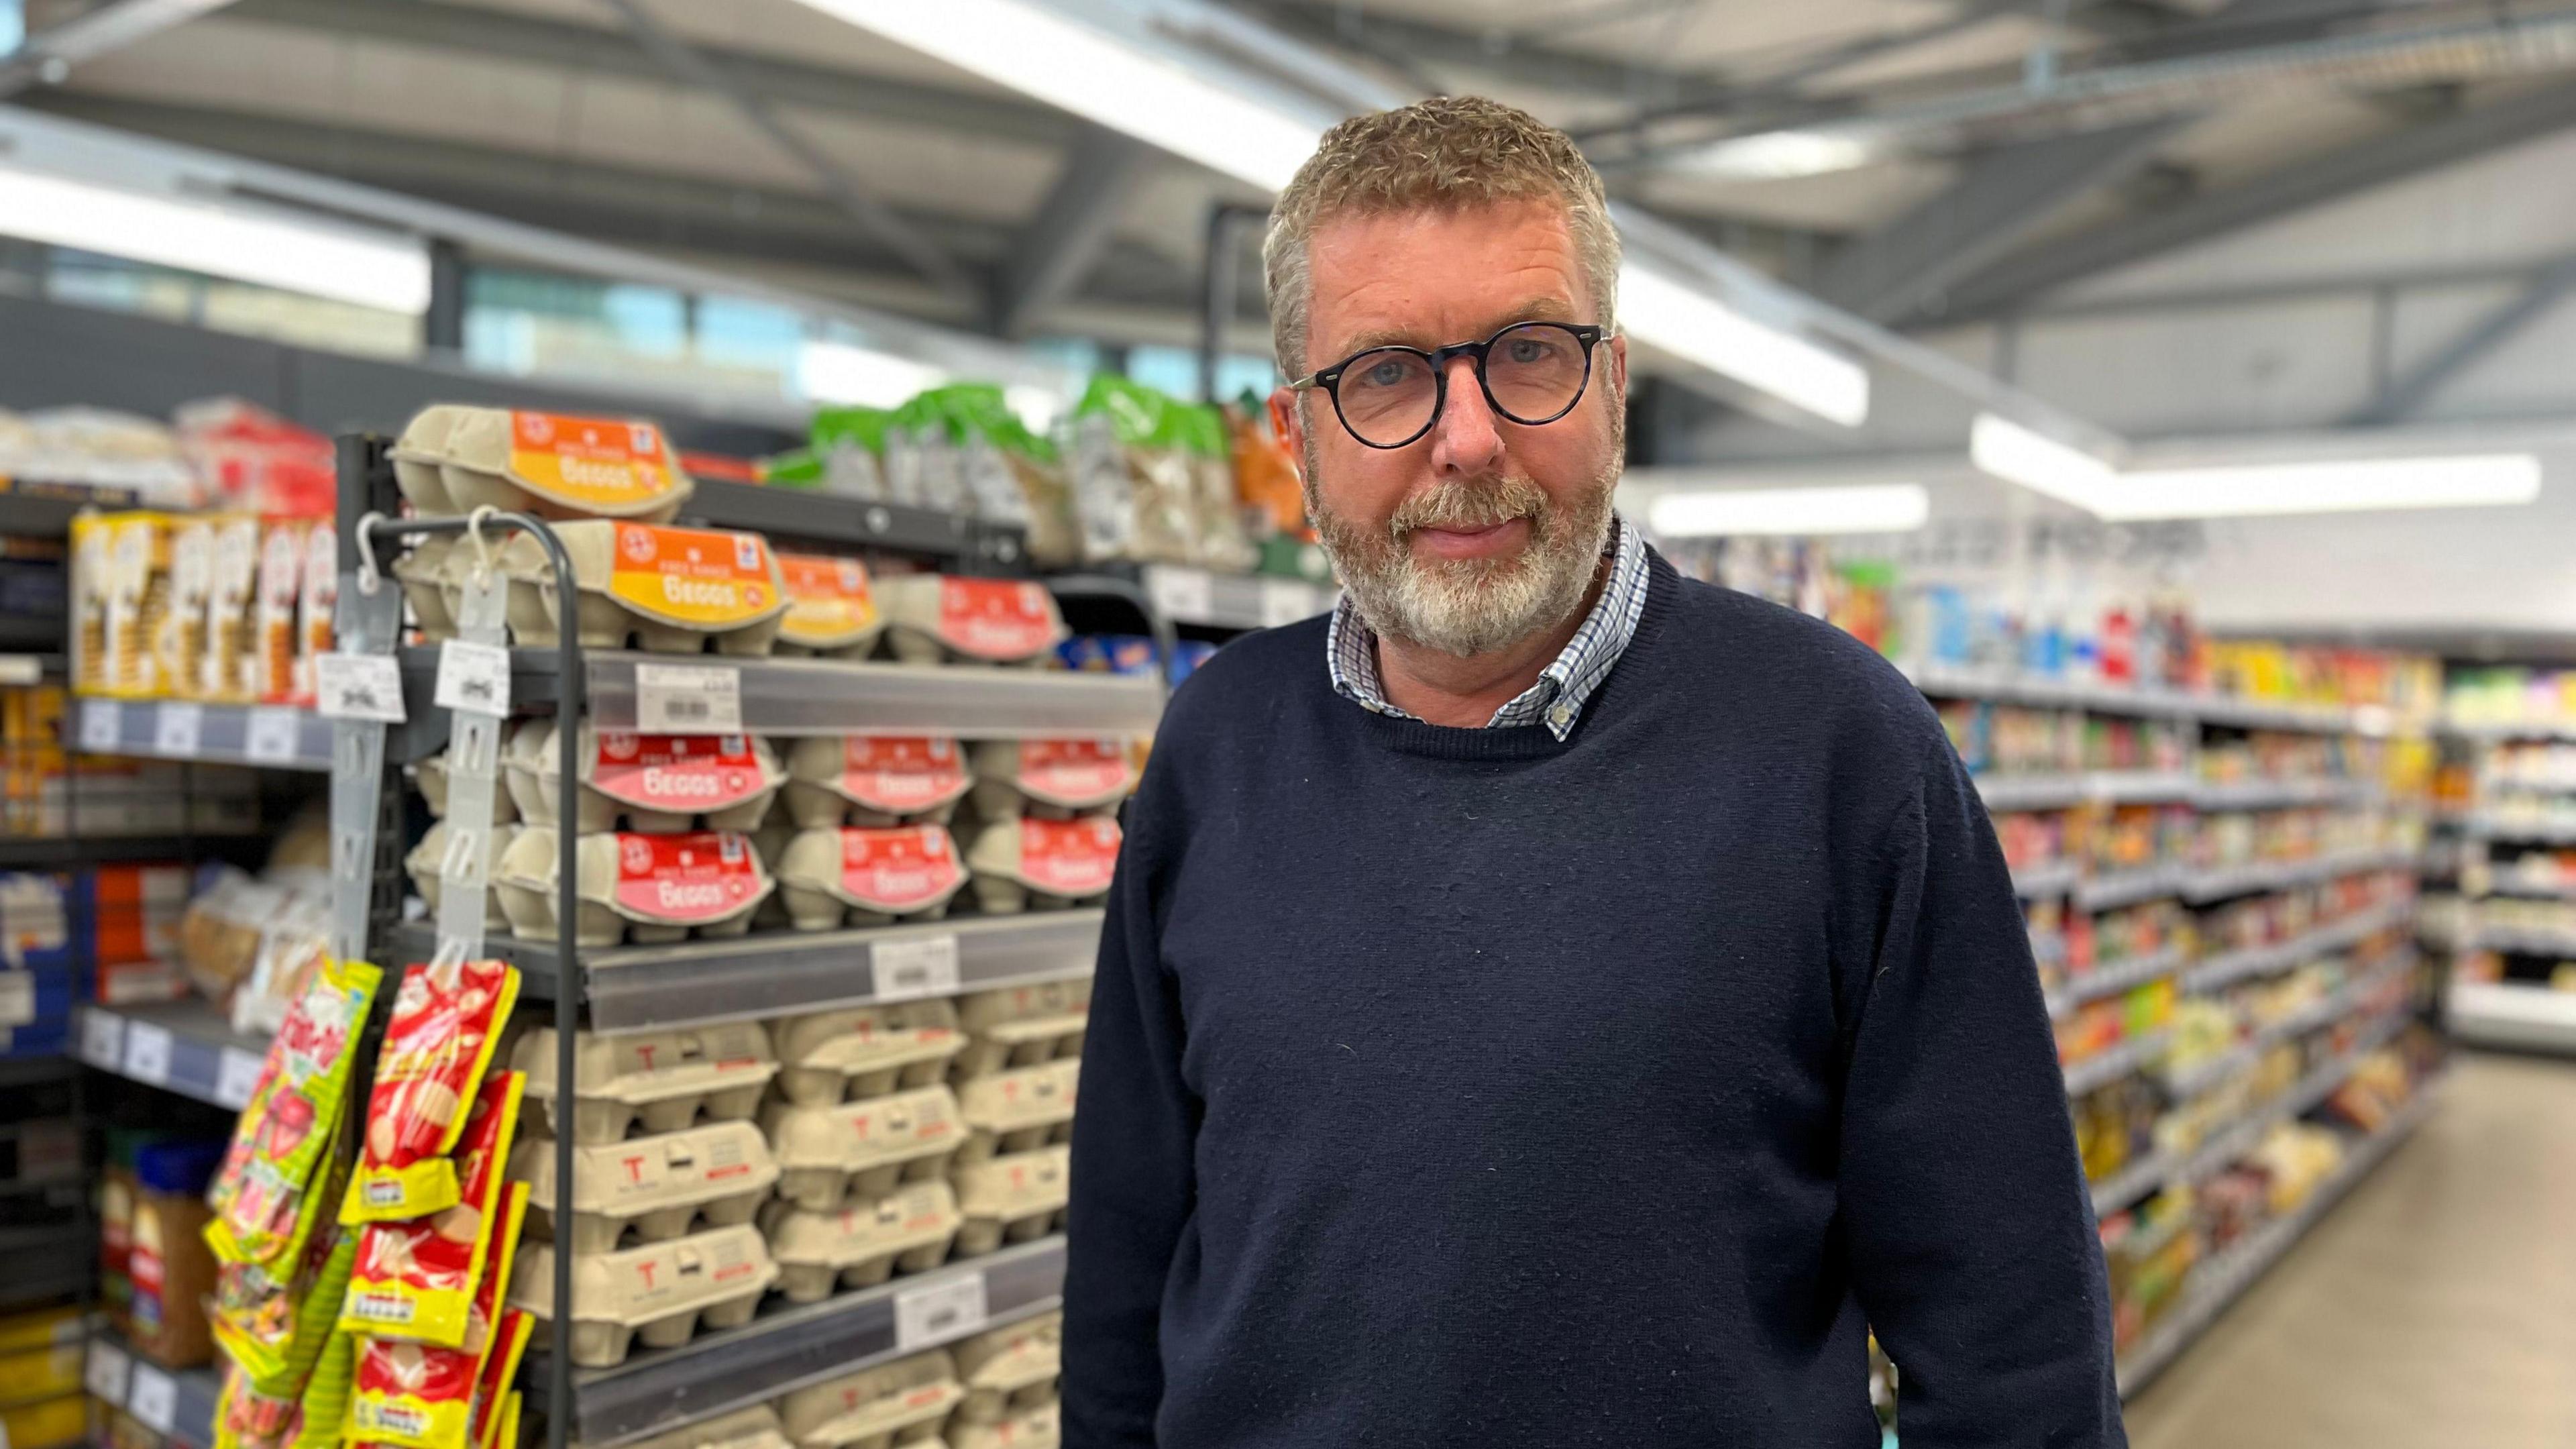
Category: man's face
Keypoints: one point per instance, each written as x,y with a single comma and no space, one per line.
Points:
1483,531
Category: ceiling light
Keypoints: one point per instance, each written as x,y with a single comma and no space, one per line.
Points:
1780,156
270,249
1719,512
2041,464
836,372
2487,480
1674,317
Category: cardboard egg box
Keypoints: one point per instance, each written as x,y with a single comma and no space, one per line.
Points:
859,876
903,1402
943,619
655,784
1039,1426
826,1058
831,609
1054,779
1021,1026
655,1188
431,775
666,590
874,781
1033,864
1019,1110
426,862
1012,1198
661,1293
1011,1370
660,1081
634,886
453,459
861,1244
753,1428
860,1151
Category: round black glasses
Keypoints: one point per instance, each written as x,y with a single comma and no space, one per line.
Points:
1532,373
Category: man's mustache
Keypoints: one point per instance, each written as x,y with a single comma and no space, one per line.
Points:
1456,504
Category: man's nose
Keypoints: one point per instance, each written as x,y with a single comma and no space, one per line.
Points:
1468,440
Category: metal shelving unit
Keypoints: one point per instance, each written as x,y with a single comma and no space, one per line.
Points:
1208,600
2113,979
2216,971
265,736
180,1046
176,1405
2518,1015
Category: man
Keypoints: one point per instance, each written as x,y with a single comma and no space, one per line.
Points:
1548,1001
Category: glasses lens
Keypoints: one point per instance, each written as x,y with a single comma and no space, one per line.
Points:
1535,372
1387,396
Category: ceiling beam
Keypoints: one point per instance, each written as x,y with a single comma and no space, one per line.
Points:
2017,278
1072,228
1495,53
2508,319
49,56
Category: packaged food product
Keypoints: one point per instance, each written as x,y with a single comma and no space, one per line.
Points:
868,877
936,618
672,590
447,1022
91,569
496,1409
1018,1110
418,454
861,1244
660,1292
227,670
861,1150
856,1052
647,887
274,1320
431,773
658,784
752,1428
134,600
317,599
282,547
665,1080
422,1396
424,862
830,609
55,1423
416,1279
422,572
504,1426
1010,1370
170,1268
874,780
262,1198
900,1402
1012,1198
1021,1026
1051,779
657,1187
1034,864
42,1371
1036,1427
556,466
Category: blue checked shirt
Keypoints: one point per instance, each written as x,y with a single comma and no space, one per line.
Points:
1556,700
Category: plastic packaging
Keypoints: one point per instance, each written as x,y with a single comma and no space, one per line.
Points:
829,1057
862,1244
170,1268
421,1396
262,1201
664,1080
868,877
660,1292
657,1187
416,1279
424,862
874,781
447,1021
432,776
861,1150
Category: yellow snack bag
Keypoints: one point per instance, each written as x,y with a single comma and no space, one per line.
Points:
261,1198
421,1396
416,1280
447,1018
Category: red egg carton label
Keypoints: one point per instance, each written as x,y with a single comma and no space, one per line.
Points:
899,868
699,875
900,776
1068,857
683,774
1072,771
995,617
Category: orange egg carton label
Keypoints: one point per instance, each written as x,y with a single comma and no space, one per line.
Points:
826,597
600,462
697,576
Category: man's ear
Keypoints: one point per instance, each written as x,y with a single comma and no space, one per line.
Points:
1619,365
1288,422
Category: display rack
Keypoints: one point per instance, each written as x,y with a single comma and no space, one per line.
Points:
178,1406
2518,1012
265,736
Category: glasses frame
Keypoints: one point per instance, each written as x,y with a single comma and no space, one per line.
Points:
1330,379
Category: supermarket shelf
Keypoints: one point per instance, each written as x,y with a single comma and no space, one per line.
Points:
2219,1281
47,852
2238,880
2525,889
2219,970
2491,730
1232,601
41,515
34,638
2118,1062
2311,718
2051,792
2545,832
2283,794
801,514
180,1046
179,1406
2201,1076
46,1263
227,734
2111,980
2526,785
2055,878
23,667
2012,686
2507,1014
2125,888
778,1353
2527,942
631,988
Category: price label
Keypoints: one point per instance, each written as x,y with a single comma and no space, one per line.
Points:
102,724
153,1398
177,728
105,1373
358,686
103,1040
474,676
1284,601
687,699
147,1053
273,736
236,1074
939,1313
923,966
1185,596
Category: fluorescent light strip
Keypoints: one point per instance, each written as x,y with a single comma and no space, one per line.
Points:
835,372
292,255
2482,480
2041,464
1688,323
1719,512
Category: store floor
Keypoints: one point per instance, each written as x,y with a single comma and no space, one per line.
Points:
2435,1308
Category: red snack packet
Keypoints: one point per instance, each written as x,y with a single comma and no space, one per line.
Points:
417,1280
419,1396
447,1020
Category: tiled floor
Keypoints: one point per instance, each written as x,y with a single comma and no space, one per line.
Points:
2435,1308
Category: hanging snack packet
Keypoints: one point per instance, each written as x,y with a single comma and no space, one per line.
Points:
495,1408
325,1404
503,1430
416,1280
273,1318
421,1396
260,1198
447,1019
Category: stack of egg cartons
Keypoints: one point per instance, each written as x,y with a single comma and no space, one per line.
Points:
1049,837
1016,1080
996,1390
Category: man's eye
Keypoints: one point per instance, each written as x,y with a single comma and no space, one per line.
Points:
1526,349
1385,374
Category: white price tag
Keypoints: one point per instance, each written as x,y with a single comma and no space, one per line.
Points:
687,699
1285,601
105,1373
1182,595
939,1313
102,723
103,1040
474,676
358,686
153,1398
923,966
273,736
176,729
236,1074
147,1053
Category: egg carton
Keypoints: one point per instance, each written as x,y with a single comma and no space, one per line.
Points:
868,877
1011,1370
1043,865
422,573
653,784
863,1244
1017,1111
669,590
860,1151
753,1428
664,1081
659,1188
1012,1198
903,1402
453,459
1021,1026
634,886
1053,779
431,775
661,1293
1039,1426
831,612
424,862
940,619
871,781
826,1058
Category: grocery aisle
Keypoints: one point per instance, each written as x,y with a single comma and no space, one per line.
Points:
2430,1310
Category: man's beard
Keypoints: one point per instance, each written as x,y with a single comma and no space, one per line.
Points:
1468,606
